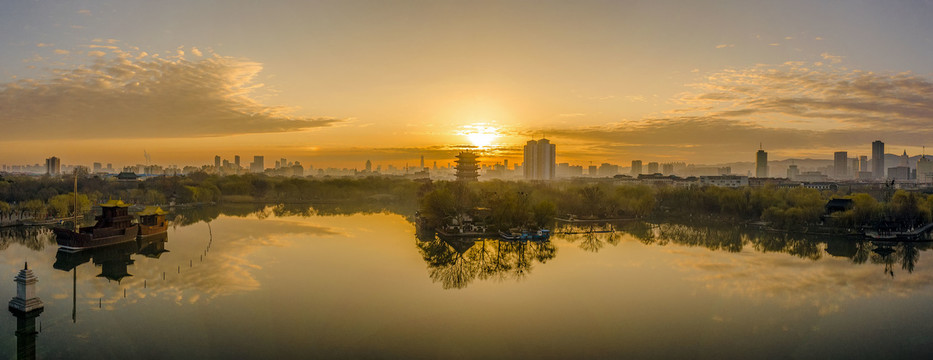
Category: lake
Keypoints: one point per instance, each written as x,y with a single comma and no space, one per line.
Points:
262,283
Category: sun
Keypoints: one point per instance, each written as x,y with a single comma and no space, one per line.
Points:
481,135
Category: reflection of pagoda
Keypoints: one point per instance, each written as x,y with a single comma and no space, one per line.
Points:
26,306
467,168
114,260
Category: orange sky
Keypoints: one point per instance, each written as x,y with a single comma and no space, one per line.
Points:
335,84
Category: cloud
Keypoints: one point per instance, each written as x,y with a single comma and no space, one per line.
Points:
62,52
84,12
196,52
832,58
789,106
720,46
122,96
44,45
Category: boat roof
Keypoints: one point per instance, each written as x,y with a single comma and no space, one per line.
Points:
152,210
114,203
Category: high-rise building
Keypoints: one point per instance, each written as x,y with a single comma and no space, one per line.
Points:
98,167
53,166
636,167
925,170
863,163
369,166
792,172
540,160
422,164
258,165
877,159
667,169
467,168
652,168
236,161
217,161
840,165
761,164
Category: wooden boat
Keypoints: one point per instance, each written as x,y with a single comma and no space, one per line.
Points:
114,226
151,221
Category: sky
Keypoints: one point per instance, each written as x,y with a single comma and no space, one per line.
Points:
336,83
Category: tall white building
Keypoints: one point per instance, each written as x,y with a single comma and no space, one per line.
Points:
540,160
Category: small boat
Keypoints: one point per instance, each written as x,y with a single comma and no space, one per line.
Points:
515,234
151,221
114,226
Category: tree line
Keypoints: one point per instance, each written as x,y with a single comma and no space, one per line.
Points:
528,204
39,197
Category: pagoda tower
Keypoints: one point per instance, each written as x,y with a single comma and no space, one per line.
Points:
26,299
467,168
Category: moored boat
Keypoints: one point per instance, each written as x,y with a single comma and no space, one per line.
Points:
151,221
114,226
515,234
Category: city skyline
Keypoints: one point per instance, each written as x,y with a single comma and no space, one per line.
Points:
343,83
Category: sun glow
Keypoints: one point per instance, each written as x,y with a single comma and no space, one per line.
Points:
481,135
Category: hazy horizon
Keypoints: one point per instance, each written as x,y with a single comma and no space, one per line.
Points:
333,84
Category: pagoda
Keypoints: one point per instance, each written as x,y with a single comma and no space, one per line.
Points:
467,168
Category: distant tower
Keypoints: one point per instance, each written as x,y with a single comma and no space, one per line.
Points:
761,163
369,166
53,166
422,163
467,168
792,172
877,160
258,165
217,161
540,161
652,168
903,159
636,167
236,161
840,165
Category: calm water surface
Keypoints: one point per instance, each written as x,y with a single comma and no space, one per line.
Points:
368,286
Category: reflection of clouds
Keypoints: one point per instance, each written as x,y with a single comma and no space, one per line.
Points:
196,272
825,284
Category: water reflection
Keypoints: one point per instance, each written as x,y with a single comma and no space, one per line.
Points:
891,255
114,261
35,238
455,263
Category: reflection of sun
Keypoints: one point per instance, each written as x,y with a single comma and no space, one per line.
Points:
481,135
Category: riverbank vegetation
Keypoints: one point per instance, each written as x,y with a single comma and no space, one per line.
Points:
32,197
524,204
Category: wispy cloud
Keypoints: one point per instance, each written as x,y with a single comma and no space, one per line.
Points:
721,46
832,58
124,95
790,106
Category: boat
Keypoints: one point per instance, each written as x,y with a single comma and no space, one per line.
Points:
151,222
515,234
114,226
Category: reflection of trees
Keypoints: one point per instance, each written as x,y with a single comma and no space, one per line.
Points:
591,237
455,263
192,215
734,239
32,237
